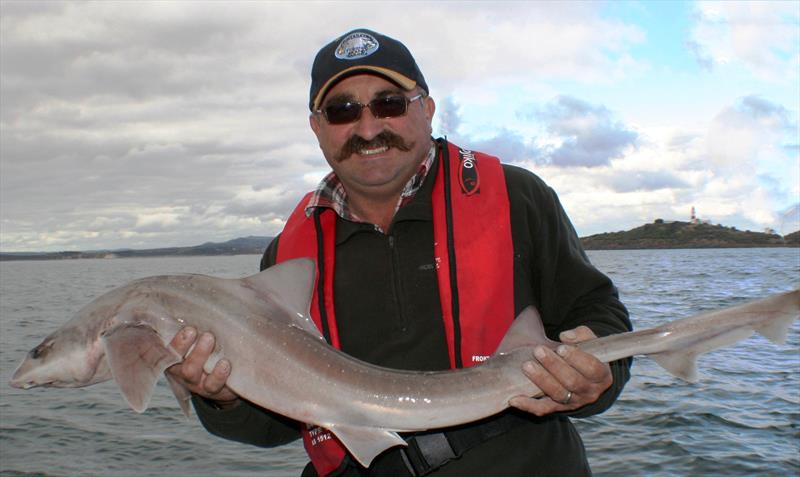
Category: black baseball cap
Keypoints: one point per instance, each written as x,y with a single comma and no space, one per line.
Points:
358,51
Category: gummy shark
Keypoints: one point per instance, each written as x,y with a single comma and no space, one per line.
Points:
280,361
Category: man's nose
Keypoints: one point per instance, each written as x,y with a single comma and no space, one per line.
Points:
368,126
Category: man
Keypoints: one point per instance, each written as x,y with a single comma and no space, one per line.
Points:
425,253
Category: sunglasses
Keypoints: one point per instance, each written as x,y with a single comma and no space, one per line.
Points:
388,107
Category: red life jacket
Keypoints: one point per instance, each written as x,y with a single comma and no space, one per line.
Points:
473,253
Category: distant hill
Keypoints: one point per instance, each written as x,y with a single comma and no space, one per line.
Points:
663,234
793,239
238,246
659,234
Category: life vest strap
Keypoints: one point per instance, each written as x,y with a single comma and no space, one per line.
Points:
429,451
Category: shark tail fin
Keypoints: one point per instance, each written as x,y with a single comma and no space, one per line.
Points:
770,317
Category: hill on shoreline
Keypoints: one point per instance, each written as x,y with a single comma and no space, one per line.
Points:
252,245
663,234
657,235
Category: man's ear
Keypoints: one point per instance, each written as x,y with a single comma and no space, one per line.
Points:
313,121
430,108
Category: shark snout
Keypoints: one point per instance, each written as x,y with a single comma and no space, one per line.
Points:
28,375
21,384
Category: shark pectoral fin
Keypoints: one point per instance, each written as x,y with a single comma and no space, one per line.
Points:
182,394
137,356
679,363
526,330
365,443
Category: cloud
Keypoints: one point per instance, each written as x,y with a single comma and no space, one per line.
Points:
509,145
739,167
750,129
137,124
789,220
532,39
589,135
647,181
762,36
578,134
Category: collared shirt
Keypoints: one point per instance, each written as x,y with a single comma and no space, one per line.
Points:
330,192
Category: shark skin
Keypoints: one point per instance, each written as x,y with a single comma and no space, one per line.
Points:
281,362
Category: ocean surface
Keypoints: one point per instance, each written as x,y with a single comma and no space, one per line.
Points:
741,418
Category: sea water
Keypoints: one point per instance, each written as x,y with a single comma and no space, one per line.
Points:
741,418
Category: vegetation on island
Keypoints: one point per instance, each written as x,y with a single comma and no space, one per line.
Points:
665,234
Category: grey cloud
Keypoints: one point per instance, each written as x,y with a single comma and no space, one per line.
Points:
682,141
753,110
508,145
760,109
634,181
448,114
590,135
701,56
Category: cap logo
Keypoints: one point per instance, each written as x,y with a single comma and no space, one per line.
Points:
356,45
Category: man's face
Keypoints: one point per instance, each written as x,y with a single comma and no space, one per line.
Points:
374,157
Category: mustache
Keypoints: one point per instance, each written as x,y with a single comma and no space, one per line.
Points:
384,139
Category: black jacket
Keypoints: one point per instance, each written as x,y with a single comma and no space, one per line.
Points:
388,313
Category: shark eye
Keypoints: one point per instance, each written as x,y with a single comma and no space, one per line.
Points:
41,350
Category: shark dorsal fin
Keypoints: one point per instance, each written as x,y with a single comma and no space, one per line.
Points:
526,330
291,283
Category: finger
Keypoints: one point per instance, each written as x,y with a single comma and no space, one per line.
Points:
183,340
577,335
551,393
192,368
215,381
557,377
538,406
585,364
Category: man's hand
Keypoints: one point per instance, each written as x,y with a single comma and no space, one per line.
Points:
568,377
190,372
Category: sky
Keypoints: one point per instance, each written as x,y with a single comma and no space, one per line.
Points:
174,123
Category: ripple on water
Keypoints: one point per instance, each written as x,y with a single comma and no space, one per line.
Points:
742,418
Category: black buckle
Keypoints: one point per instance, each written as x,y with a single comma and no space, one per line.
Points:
426,452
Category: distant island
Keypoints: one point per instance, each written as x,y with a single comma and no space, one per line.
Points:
666,234
241,246
657,235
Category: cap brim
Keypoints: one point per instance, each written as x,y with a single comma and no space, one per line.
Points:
404,81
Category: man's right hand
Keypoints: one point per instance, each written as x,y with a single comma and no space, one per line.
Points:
190,372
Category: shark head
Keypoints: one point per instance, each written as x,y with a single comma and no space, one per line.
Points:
64,359
73,355
117,336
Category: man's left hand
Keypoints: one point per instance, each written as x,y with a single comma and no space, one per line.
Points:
568,377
